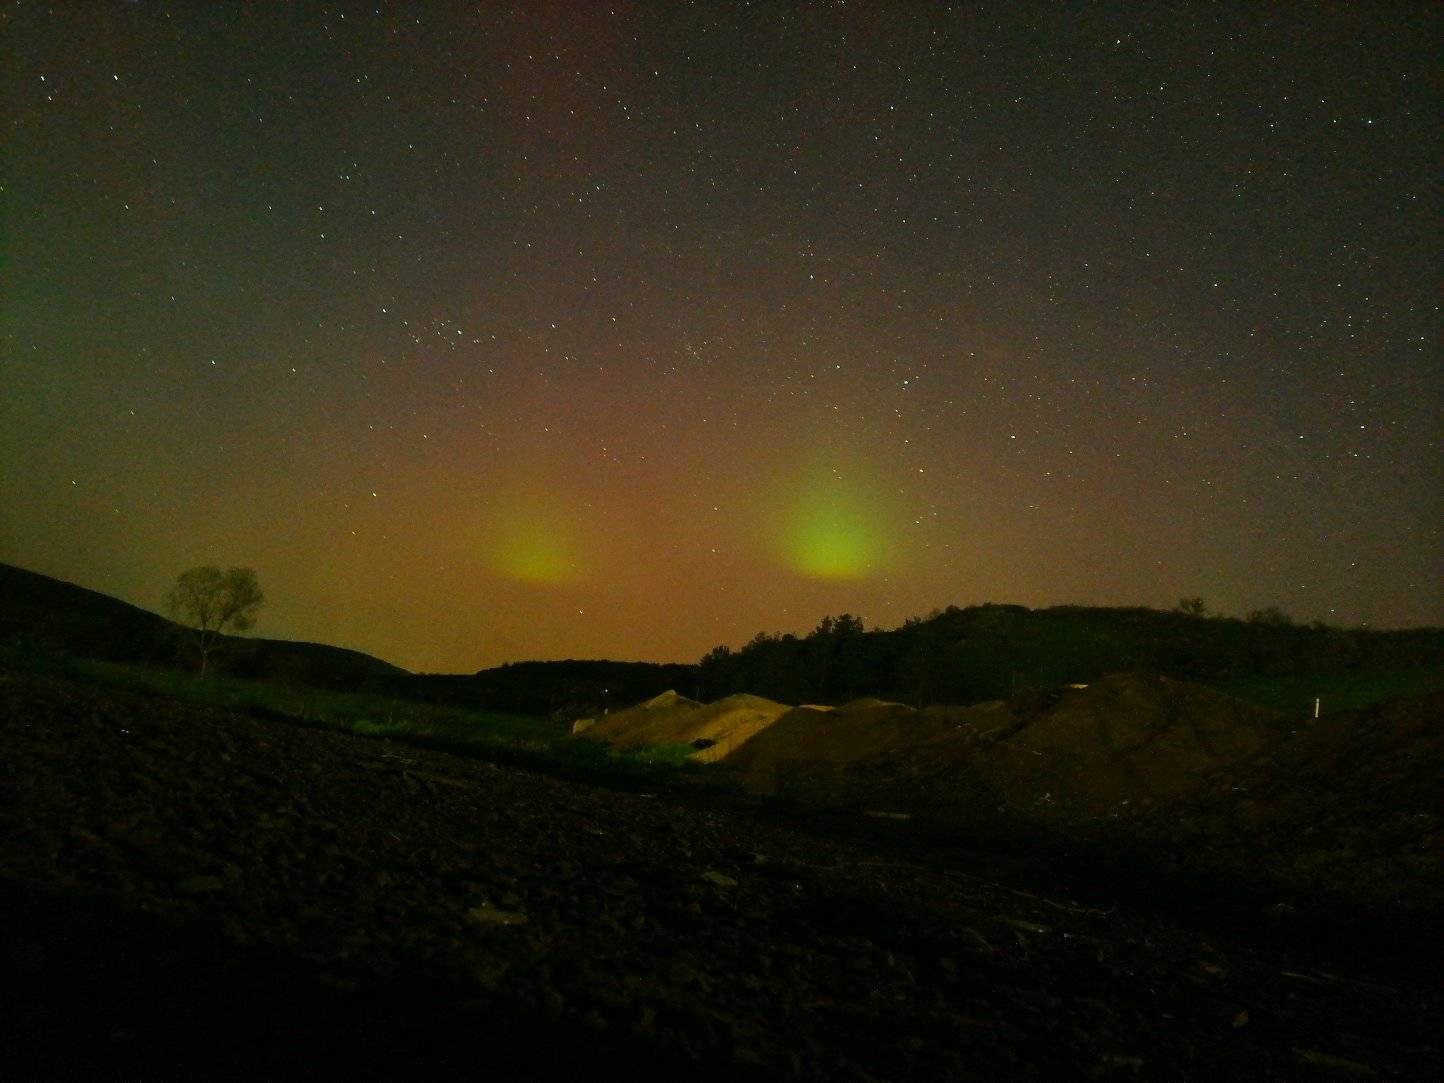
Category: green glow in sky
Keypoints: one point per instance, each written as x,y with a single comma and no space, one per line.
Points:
832,533
535,545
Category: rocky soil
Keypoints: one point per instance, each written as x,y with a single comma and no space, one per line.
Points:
198,894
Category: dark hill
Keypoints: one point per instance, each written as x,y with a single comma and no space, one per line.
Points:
568,689
317,664
44,616
41,617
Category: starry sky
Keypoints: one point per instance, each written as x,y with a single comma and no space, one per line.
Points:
488,333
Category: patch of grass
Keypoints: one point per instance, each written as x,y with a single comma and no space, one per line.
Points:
1336,691
521,740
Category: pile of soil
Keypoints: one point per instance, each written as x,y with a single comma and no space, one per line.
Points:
1124,742
819,755
1347,804
1081,752
715,730
194,893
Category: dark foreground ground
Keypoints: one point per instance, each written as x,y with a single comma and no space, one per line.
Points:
195,894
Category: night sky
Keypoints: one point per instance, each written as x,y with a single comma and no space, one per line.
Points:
489,333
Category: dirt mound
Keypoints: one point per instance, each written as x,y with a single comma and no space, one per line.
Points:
715,729
1348,803
811,751
868,703
624,728
1125,741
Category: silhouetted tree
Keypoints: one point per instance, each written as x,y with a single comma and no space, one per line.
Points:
206,601
821,656
717,673
782,672
1194,607
717,655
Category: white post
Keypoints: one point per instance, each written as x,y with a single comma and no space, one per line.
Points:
1316,706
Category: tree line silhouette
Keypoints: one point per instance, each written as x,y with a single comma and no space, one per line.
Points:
994,651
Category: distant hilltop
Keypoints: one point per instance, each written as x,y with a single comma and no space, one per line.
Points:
42,616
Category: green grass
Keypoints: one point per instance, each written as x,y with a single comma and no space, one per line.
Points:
1336,691
492,735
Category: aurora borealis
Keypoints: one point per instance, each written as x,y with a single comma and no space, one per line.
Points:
489,333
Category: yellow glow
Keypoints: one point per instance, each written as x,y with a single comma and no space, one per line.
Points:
830,538
832,523
535,543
